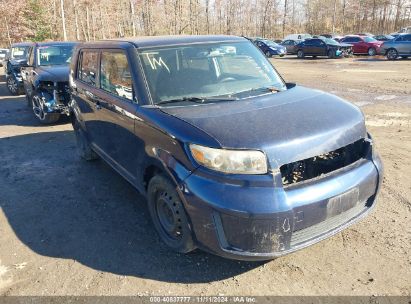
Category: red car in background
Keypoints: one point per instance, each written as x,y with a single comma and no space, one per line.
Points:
363,44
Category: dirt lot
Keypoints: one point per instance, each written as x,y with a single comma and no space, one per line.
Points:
73,228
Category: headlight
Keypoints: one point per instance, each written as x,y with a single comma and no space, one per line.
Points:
230,161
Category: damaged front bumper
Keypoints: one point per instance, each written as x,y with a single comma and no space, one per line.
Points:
260,219
55,99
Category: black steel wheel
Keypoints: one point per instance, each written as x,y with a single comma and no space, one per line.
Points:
168,214
300,54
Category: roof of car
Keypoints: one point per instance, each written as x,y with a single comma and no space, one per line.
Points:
51,43
28,43
153,41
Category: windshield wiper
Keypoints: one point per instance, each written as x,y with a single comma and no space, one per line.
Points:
197,99
270,89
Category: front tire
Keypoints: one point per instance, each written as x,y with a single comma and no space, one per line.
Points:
12,85
40,112
392,54
300,54
331,54
84,149
168,214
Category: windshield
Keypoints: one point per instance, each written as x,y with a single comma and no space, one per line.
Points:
209,70
369,39
54,55
270,43
331,41
20,52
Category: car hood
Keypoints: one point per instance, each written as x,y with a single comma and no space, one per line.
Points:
54,73
345,45
292,125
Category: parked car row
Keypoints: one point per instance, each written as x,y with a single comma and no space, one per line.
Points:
333,46
189,122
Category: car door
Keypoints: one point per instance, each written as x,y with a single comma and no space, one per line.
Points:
84,91
262,46
317,48
362,46
306,46
116,112
354,41
404,46
28,72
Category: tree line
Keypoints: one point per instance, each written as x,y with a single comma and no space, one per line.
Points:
39,20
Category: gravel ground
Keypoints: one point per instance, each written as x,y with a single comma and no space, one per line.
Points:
68,227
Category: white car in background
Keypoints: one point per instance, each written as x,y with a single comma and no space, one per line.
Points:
297,37
3,55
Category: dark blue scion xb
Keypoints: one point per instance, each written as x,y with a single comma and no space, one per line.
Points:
232,159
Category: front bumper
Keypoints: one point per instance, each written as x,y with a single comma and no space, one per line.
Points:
278,52
258,219
55,102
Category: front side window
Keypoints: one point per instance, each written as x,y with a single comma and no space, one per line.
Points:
236,70
115,76
88,67
54,55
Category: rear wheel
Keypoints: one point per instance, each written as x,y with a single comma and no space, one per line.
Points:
168,214
392,54
40,112
300,54
404,57
372,51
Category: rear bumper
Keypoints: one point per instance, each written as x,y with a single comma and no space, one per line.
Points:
257,221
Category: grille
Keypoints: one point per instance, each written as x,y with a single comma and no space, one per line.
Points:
326,226
319,165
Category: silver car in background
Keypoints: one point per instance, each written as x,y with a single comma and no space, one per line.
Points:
400,46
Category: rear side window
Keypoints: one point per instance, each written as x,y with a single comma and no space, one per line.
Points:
88,67
115,76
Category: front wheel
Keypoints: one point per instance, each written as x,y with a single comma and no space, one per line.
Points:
331,54
300,54
39,110
12,85
372,52
392,54
168,214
